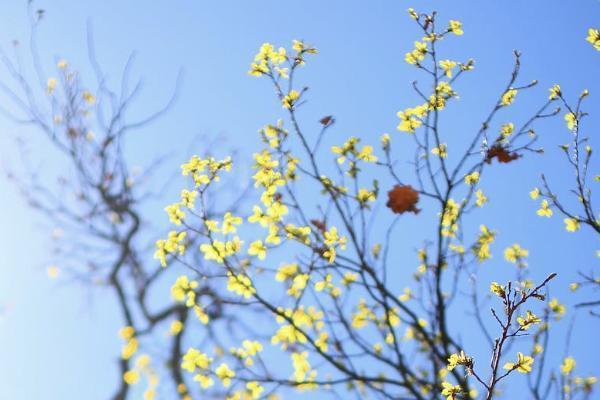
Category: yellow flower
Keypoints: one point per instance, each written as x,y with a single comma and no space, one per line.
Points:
290,99
224,373
406,296
484,240
455,27
508,97
535,193
184,290
507,129
188,198
52,271
229,223
450,391
129,348
557,308
497,289
417,54
472,178
523,364
529,319
349,277
194,359
554,92
258,249
440,150
481,199
447,66
571,120
255,389
545,210
286,272
364,196
385,141
131,377
515,254
411,118
571,224
241,285
567,366
594,38
88,97
413,14
175,214
205,381
51,85
459,359
176,327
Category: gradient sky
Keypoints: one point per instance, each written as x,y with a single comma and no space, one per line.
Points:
58,340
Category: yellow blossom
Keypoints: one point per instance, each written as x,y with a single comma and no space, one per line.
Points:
472,178
455,27
450,391
480,198
508,97
572,224
545,210
554,92
523,364
440,150
535,193
290,99
567,366
594,38
447,66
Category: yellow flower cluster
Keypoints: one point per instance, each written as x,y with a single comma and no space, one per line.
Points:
363,316
482,247
249,349
417,55
303,372
472,178
127,333
528,320
268,61
301,318
459,359
523,364
240,284
516,255
508,97
194,360
205,171
332,241
450,218
173,245
412,118
219,250
594,38
273,135
142,368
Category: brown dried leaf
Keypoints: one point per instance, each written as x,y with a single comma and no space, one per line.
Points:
403,199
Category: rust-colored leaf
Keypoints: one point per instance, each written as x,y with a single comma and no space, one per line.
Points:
403,199
326,121
319,225
501,154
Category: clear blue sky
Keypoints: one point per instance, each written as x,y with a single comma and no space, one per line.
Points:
58,341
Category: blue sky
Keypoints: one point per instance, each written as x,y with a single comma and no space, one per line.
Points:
58,340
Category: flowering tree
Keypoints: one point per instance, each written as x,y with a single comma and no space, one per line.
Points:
298,292
336,322
100,203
